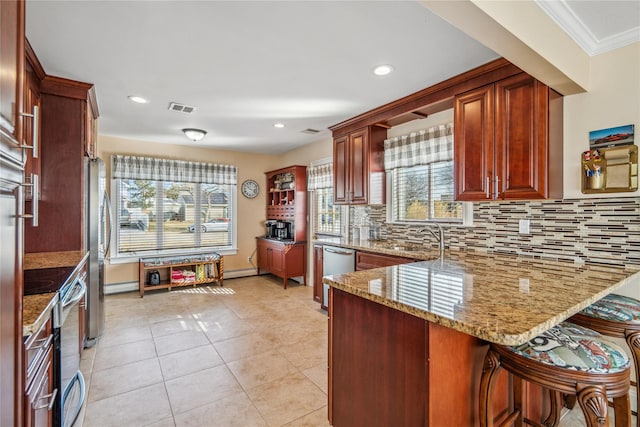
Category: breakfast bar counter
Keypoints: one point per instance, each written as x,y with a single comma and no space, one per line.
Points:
498,298
407,342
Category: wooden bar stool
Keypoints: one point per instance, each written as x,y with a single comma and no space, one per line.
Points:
567,359
616,316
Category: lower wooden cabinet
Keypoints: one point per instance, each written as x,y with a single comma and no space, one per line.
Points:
39,392
389,368
282,259
317,274
368,260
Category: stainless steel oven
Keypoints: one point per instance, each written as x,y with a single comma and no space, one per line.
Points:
67,325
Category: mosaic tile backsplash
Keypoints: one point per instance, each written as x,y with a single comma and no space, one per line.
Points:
605,231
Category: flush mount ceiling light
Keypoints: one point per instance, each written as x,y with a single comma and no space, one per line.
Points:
383,70
194,134
138,99
278,125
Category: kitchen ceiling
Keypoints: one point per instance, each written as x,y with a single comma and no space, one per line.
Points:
245,66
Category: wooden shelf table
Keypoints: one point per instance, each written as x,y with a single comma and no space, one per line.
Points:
208,268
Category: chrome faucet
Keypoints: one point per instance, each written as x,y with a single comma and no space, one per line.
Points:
439,236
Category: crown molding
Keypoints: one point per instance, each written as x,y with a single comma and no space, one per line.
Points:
566,19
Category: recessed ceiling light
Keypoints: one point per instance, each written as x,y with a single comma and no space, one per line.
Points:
278,125
138,99
383,70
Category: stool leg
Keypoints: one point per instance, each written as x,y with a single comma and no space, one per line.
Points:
490,371
633,341
557,402
622,411
593,401
570,401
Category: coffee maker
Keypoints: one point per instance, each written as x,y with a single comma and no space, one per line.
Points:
270,224
284,230
278,229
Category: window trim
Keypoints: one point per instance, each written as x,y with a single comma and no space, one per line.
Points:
313,211
116,257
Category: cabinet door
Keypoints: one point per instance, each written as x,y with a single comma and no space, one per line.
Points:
521,137
11,70
91,142
11,384
317,273
340,170
32,124
358,178
63,167
277,261
367,261
474,144
263,257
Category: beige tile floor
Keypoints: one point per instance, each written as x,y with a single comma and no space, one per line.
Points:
249,354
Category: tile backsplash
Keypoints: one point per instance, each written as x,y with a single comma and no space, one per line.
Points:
603,231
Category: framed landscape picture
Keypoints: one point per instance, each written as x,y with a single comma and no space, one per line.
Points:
611,137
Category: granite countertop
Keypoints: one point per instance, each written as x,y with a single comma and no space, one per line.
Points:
386,247
37,260
499,298
36,310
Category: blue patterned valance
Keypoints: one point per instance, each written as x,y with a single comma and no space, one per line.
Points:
156,169
419,148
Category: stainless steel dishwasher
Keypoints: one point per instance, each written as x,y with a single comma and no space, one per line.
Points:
335,260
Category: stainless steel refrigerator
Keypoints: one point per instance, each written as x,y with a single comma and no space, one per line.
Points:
98,234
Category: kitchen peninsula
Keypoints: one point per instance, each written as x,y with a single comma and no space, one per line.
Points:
407,342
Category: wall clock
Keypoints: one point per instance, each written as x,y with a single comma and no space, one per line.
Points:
250,188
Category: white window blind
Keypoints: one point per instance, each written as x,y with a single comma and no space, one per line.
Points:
327,217
156,216
420,169
422,193
440,292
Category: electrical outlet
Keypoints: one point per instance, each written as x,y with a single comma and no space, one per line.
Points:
523,226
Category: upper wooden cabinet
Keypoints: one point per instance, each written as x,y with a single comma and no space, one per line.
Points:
11,212
33,74
508,141
358,167
11,71
65,108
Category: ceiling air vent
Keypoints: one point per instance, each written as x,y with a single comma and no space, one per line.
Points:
176,106
310,131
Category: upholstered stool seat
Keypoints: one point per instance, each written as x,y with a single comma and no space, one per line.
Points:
616,316
566,359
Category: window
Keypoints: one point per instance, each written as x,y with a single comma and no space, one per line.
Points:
327,218
160,216
420,176
423,193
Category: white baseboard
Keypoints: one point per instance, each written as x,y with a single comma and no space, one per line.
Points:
117,288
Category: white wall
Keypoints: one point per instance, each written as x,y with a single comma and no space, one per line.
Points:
613,100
